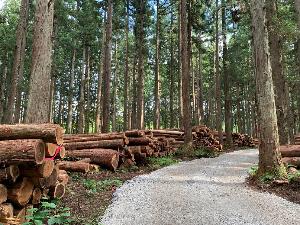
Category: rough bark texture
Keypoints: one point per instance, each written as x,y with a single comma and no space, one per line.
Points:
3,193
39,88
81,167
43,170
81,103
172,77
87,91
2,86
10,173
107,70
112,144
185,76
269,156
18,63
32,150
279,80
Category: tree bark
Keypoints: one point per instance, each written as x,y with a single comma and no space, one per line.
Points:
279,80
172,78
2,87
39,87
111,144
107,70
18,63
81,104
114,94
269,156
227,92
10,173
70,96
21,192
156,121
186,79
87,91
180,103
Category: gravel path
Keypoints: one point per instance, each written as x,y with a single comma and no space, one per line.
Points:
202,191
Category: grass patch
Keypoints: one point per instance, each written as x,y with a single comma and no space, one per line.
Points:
205,153
94,186
162,161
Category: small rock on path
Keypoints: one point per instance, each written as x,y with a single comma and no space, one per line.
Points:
202,191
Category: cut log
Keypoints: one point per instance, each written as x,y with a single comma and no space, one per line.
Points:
3,193
294,161
104,136
290,150
32,150
10,173
104,157
51,133
135,133
47,181
94,168
62,153
57,191
168,132
36,196
111,144
137,141
20,193
134,149
6,210
81,167
63,177
20,214
43,170
50,149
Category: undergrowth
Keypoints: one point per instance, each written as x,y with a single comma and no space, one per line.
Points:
94,186
162,161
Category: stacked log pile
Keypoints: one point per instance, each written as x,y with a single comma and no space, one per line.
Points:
204,137
291,155
242,140
27,168
297,139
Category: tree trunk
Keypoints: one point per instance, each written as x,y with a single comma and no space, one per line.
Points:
140,69
185,76
134,95
180,103
81,104
87,91
200,88
172,78
227,92
156,122
279,80
114,94
2,87
39,87
218,80
126,80
107,70
269,156
70,96
18,63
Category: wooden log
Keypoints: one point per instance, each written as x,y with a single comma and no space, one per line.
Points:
57,191
101,136
63,177
168,132
294,161
20,193
32,150
47,181
97,138
134,149
3,193
50,149
10,173
94,168
135,133
81,167
62,152
36,196
20,215
51,133
42,170
6,210
138,141
104,157
290,150
110,144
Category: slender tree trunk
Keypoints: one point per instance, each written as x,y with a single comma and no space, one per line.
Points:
141,78
81,103
227,93
156,122
114,94
87,91
71,91
52,91
185,76
134,95
172,81
99,90
39,88
217,75
18,63
2,87
269,156
200,110
180,104
107,70
126,105
280,84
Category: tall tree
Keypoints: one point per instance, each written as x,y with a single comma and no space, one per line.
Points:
3,85
18,63
71,92
280,84
269,156
172,75
186,79
156,122
107,70
81,103
39,88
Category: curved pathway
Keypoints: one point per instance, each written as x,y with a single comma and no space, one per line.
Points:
202,191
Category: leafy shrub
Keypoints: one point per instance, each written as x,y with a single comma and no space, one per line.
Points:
205,153
162,161
253,170
94,186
